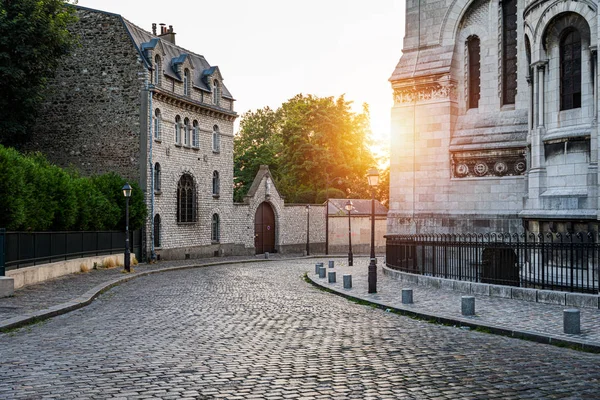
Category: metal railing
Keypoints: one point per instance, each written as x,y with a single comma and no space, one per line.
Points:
24,249
554,261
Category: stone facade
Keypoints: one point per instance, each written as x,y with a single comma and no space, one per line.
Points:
494,123
134,102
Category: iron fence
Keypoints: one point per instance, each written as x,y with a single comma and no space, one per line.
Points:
554,261
24,249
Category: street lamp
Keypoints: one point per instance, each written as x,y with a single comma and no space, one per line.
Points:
373,177
348,208
307,229
127,194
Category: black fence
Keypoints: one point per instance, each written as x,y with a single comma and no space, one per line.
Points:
566,262
24,249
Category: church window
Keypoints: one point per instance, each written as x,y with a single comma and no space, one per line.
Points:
157,124
215,183
216,139
157,230
195,143
186,132
509,51
215,231
474,71
178,130
157,177
186,199
570,70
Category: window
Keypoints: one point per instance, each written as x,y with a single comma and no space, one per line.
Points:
216,92
186,199
216,139
215,229
157,70
157,124
157,230
509,51
157,177
186,82
195,143
186,132
215,183
178,130
570,70
474,71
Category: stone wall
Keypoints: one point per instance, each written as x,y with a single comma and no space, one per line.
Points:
361,234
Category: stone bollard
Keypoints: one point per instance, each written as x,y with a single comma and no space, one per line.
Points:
267,255
317,267
322,272
347,281
331,263
331,276
407,296
572,321
468,305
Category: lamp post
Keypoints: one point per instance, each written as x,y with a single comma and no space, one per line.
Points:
307,229
373,177
348,208
127,259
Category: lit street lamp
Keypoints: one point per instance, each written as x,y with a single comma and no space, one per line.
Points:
373,177
127,260
307,229
348,208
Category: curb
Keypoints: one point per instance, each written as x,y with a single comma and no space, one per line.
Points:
89,296
581,345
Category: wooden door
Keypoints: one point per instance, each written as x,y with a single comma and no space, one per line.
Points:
264,229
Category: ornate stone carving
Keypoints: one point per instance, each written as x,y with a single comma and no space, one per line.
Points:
424,93
488,163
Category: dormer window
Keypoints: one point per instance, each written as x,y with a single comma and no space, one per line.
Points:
186,82
157,70
216,92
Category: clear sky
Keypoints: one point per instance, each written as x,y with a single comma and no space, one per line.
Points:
270,50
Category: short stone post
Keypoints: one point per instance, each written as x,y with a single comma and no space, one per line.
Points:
347,281
468,305
407,296
322,272
317,267
331,263
331,276
572,321
266,255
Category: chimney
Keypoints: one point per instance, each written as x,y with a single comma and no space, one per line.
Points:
167,33
154,29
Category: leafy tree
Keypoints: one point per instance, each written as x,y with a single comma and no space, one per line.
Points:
111,185
310,143
33,37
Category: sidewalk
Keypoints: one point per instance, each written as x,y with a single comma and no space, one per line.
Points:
517,318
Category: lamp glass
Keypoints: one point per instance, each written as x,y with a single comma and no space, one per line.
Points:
127,190
348,206
373,177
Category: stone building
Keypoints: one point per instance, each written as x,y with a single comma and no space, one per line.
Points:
494,123
132,101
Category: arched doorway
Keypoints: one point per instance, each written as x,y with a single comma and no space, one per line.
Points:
264,229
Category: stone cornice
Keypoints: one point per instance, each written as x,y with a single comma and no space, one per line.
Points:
425,89
187,103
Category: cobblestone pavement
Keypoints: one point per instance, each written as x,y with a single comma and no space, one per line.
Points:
258,331
545,319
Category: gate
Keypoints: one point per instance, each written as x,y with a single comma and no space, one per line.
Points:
264,229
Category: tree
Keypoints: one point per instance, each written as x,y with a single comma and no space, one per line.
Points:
310,143
33,38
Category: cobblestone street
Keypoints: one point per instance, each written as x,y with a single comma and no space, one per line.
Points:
259,331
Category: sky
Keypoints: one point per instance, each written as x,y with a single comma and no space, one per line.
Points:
270,50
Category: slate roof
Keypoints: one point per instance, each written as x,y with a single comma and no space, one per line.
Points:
360,207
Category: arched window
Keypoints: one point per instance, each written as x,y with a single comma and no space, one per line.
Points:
186,132
195,134
157,177
215,183
178,130
570,70
186,82
474,71
216,139
157,230
509,51
157,70
186,199
216,92
215,235
157,124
